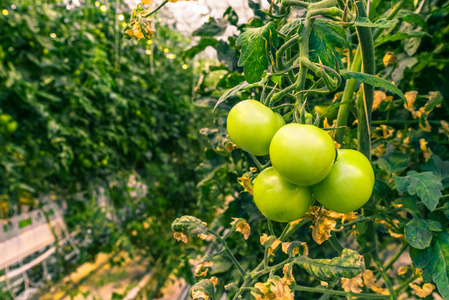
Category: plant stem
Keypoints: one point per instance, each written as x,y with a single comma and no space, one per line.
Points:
384,274
396,256
339,293
229,253
335,243
406,284
355,65
348,95
281,51
157,8
256,161
270,227
364,107
295,3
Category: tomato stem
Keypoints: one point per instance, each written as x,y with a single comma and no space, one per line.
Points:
157,8
270,227
257,162
229,253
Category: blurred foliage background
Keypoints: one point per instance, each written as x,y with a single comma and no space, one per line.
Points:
83,108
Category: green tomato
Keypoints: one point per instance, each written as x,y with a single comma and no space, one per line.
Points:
12,126
349,185
302,154
278,199
322,109
5,119
251,125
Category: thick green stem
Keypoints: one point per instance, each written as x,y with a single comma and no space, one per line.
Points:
157,8
348,95
281,51
355,66
364,107
256,161
295,3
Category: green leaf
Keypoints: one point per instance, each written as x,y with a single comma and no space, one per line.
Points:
418,234
324,39
399,36
434,261
372,80
381,23
426,185
440,168
348,265
290,26
393,161
202,44
211,28
254,56
231,92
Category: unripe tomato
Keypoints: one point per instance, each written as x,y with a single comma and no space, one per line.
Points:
278,199
5,119
12,126
349,185
302,154
251,125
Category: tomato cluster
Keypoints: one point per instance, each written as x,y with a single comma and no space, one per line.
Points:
303,164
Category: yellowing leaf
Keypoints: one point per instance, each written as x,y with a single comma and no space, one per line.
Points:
288,274
285,247
280,290
244,181
214,280
263,239
394,234
202,236
135,31
379,97
242,226
230,146
274,244
379,150
423,292
180,236
263,290
426,151
322,228
402,270
444,128
201,269
352,284
390,59
199,295
411,98
386,131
